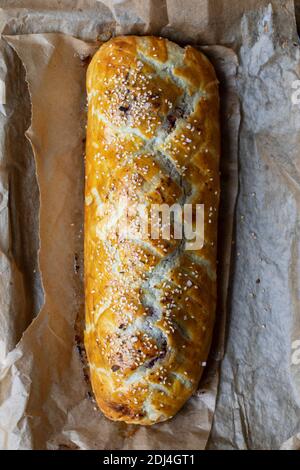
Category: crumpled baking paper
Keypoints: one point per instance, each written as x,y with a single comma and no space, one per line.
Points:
53,398
45,400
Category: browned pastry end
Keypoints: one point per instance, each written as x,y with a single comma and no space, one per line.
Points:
152,136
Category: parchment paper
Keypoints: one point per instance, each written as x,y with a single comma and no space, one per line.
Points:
44,397
52,383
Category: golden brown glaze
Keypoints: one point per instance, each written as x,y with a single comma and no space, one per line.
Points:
152,136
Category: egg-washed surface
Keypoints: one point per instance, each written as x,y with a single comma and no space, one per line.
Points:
152,137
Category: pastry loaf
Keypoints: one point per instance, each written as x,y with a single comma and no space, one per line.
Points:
152,136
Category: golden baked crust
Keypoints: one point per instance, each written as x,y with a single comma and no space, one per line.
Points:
152,136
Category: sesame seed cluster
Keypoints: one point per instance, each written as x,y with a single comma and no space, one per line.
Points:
152,138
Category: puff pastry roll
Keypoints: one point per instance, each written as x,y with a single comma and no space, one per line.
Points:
153,138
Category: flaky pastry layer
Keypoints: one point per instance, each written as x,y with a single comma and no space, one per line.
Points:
153,137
